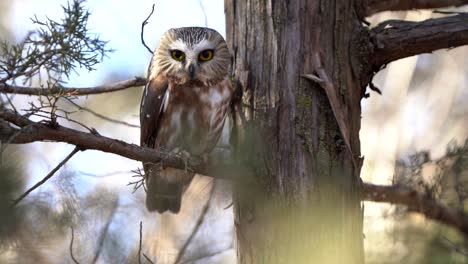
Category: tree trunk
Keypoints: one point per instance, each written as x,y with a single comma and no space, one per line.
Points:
301,86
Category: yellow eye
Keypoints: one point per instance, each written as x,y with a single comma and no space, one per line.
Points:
205,55
177,55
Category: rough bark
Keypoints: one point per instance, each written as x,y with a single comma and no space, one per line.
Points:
306,206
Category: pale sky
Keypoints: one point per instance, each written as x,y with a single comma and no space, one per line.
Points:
119,21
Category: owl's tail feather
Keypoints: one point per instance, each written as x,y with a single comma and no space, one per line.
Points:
165,189
162,196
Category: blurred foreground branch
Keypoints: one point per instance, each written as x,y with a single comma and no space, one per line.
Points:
397,39
416,202
375,6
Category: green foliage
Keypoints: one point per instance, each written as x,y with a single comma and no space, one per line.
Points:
55,48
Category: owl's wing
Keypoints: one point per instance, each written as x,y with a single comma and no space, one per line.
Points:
151,109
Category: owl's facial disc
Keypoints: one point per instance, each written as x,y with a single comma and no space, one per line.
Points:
192,55
191,60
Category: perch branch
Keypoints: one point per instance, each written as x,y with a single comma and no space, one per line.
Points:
416,202
374,6
14,89
30,131
395,39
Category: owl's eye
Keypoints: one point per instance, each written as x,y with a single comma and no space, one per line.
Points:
178,55
206,55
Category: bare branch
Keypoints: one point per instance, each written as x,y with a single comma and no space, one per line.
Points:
105,230
47,177
196,260
145,22
197,226
375,6
395,39
416,202
139,244
107,88
204,12
31,132
96,114
147,258
139,247
71,246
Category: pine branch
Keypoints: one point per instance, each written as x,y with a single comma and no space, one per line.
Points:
374,6
416,202
396,39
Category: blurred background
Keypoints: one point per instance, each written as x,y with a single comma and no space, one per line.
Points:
413,134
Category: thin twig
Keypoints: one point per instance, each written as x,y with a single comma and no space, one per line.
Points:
116,121
141,238
454,246
71,246
204,12
105,230
197,226
145,22
46,178
147,258
207,256
104,175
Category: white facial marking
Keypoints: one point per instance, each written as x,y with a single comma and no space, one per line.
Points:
203,45
179,45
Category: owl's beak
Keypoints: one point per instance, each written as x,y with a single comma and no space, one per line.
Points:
191,70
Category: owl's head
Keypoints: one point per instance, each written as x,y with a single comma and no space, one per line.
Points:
192,54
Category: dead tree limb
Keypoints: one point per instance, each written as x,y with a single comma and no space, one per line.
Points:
417,202
107,88
375,6
396,39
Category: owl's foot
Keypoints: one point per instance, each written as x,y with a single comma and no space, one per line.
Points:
187,158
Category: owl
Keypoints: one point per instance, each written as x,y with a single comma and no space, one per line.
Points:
183,108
